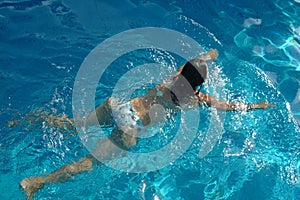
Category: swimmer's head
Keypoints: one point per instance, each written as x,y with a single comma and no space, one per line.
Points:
195,72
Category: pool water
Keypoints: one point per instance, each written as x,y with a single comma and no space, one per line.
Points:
255,156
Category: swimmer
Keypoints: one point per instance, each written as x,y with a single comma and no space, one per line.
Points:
181,93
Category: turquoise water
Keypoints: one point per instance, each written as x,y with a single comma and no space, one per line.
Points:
43,44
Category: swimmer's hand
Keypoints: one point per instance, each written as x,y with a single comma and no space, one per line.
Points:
262,105
212,54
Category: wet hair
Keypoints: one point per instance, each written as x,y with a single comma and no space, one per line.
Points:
193,74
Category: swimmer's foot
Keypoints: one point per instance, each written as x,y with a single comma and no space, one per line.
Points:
211,55
31,185
13,123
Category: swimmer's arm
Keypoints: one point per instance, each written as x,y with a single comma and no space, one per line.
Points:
230,106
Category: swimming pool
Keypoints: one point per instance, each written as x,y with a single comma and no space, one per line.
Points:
44,42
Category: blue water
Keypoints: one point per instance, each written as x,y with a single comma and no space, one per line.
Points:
44,42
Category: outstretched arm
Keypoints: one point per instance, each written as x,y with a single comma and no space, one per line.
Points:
230,106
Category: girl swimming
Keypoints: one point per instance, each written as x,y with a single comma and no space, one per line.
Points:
180,93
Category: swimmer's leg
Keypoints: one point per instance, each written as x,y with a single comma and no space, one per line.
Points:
124,140
29,119
33,184
102,114
48,118
118,142
105,149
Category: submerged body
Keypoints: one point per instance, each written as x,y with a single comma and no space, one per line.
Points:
130,116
